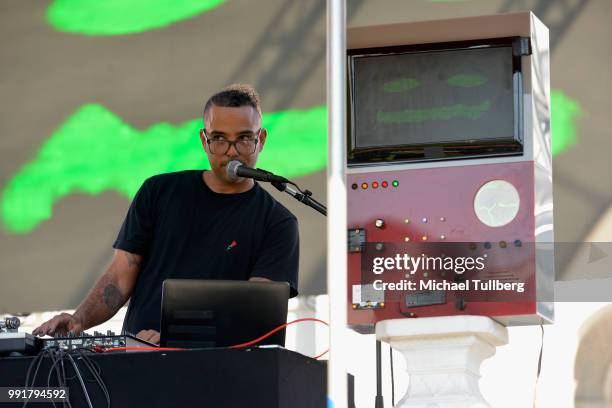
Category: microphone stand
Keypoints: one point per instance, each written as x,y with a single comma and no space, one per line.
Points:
282,184
304,197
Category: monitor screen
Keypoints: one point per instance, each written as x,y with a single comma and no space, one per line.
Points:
438,97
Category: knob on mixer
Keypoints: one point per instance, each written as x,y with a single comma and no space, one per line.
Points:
10,324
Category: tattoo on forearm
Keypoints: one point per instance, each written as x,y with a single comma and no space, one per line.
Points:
112,297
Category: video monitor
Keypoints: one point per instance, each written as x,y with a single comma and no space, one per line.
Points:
435,101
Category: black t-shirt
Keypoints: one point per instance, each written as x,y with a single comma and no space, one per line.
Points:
185,230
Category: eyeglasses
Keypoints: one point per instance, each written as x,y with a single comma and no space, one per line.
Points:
245,144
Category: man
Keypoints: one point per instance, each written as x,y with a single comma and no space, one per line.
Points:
195,224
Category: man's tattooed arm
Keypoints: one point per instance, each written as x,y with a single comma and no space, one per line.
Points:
111,291
112,297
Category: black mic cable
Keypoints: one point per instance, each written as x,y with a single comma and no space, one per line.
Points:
236,169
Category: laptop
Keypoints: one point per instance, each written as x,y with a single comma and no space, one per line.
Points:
222,313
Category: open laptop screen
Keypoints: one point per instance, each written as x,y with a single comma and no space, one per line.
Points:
220,313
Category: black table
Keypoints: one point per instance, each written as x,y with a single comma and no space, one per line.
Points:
269,378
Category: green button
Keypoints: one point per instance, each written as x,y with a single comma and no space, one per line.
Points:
395,183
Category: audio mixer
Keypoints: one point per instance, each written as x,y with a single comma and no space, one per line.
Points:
12,341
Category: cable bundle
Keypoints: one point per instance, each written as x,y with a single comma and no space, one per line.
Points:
60,356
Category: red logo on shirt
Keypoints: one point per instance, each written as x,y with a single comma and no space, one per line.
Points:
232,245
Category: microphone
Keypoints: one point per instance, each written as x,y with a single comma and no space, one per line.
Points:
236,169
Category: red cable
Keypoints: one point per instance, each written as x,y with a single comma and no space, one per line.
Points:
137,348
243,345
271,332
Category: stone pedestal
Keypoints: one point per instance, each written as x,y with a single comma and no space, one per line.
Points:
443,357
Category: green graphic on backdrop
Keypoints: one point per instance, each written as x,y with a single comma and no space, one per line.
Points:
564,112
117,17
114,156
94,151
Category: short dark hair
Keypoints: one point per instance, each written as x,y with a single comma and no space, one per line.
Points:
234,96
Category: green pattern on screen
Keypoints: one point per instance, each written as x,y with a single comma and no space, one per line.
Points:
118,17
467,80
94,151
444,113
400,85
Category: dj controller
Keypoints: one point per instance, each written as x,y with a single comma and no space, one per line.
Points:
12,341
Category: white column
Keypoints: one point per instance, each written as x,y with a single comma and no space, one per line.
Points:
443,357
336,199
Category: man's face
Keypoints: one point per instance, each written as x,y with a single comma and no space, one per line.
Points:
223,124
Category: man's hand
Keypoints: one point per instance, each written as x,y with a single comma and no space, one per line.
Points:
60,325
151,336
258,279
